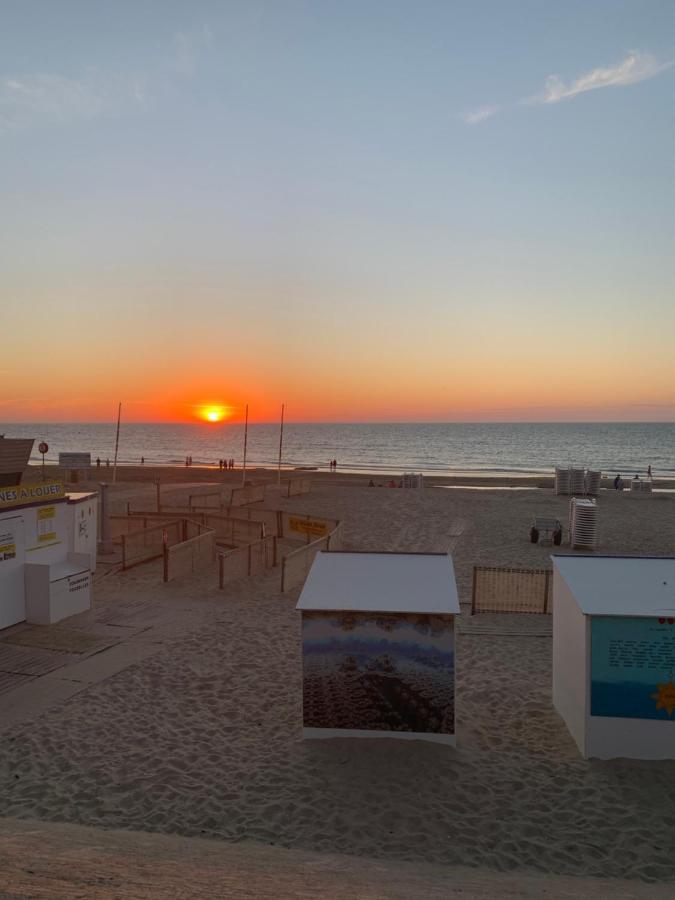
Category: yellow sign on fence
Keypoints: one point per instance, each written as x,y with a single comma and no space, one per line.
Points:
21,494
316,527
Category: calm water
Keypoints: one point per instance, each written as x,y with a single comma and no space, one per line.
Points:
433,448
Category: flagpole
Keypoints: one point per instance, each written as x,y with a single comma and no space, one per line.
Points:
281,440
117,441
243,473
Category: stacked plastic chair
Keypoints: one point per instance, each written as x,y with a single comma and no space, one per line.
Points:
413,480
583,523
562,480
593,483
577,482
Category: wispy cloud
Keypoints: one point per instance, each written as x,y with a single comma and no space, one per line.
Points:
480,115
188,48
52,97
634,68
48,98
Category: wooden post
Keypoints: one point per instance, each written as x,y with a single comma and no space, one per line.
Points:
221,572
274,551
243,471
473,593
281,440
283,574
117,442
546,590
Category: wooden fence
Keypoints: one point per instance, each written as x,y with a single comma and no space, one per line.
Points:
505,590
248,560
295,565
196,551
296,486
148,543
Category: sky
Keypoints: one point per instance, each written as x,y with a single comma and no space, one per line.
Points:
368,211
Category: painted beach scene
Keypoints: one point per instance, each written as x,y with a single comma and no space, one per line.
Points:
376,672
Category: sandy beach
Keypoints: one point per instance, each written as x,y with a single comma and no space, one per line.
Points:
199,735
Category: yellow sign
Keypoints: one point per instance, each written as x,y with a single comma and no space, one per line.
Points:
46,524
7,551
308,526
23,494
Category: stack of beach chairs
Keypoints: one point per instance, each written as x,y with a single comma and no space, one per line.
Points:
413,480
583,523
577,482
562,480
592,483
640,487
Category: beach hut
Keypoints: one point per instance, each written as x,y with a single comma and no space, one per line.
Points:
378,646
614,654
47,552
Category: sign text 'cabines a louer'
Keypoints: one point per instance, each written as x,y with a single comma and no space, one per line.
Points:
22,494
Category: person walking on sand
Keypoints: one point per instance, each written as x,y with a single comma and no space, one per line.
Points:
649,472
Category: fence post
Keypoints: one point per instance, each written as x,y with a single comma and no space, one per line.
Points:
166,561
546,589
274,551
283,574
473,592
280,523
124,551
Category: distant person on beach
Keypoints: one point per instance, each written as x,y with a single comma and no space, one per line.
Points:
649,472
617,482
371,483
98,462
636,477
142,460
107,462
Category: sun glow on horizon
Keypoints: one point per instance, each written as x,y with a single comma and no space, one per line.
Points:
212,413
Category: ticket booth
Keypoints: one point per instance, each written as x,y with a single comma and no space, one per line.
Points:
378,646
614,654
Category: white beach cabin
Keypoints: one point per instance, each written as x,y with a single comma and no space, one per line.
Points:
614,654
378,645
47,552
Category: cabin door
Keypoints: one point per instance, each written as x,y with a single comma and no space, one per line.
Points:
12,565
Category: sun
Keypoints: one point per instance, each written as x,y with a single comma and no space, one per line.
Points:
213,413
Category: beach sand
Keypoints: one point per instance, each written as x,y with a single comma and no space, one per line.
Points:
202,736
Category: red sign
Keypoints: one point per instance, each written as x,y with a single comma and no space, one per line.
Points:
43,447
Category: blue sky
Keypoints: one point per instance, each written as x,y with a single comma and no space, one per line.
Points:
349,188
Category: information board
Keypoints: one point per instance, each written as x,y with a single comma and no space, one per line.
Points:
632,663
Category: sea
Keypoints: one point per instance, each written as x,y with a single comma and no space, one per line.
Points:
434,448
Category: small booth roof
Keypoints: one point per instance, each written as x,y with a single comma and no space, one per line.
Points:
381,582
620,585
